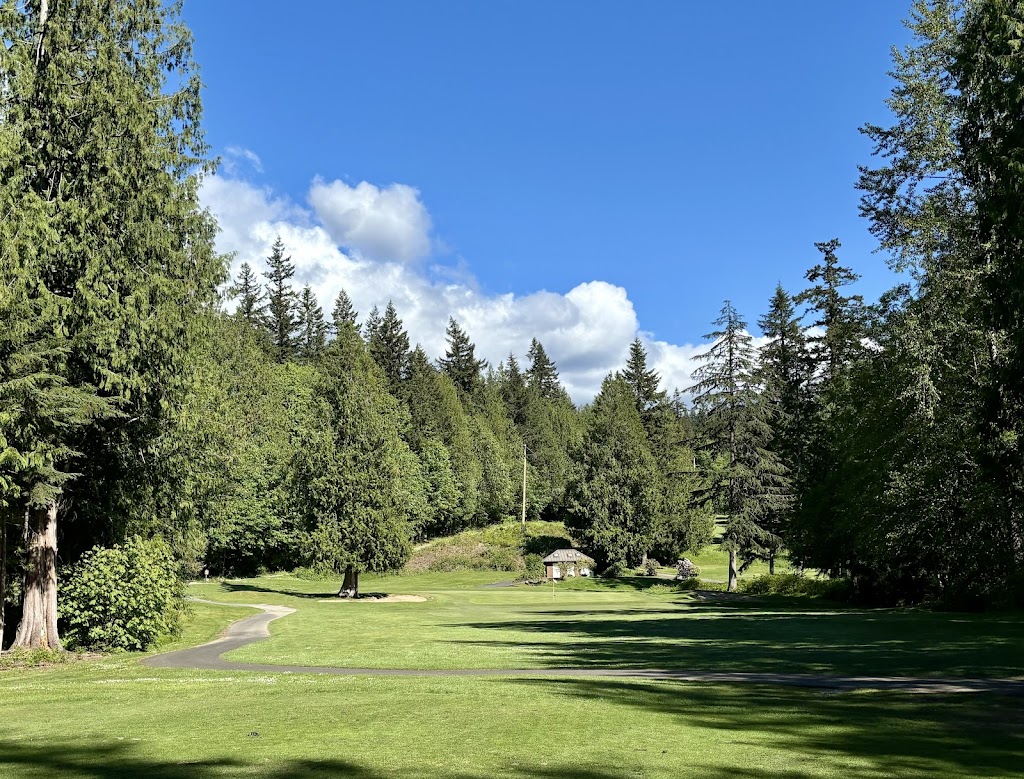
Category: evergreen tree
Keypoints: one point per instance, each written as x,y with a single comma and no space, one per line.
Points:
513,390
312,330
108,259
437,414
642,380
351,476
252,305
460,361
542,375
371,324
389,347
282,303
752,484
841,317
344,313
990,79
785,374
614,496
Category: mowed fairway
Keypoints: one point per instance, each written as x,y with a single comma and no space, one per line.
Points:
631,623
113,718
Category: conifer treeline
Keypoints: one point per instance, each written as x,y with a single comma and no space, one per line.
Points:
881,443
361,445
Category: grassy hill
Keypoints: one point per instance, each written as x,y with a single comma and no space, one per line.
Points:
494,548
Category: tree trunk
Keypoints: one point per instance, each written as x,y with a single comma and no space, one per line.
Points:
771,563
350,587
38,628
732,571
3,574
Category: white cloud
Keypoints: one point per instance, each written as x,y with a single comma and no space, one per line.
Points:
587,330
383,224
235,154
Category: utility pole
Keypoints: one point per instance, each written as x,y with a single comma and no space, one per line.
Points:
524,488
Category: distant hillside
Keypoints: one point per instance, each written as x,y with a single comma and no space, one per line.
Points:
493,548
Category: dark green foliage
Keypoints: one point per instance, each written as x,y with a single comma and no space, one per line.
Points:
371,324
351,476
542,375
344,313
389,347
251,297
108,259
312,330
796,584
459,362
989,71
750,484
282,303
243,415
614,496
642,380
841,317
122,598
785,375
513,390
437,414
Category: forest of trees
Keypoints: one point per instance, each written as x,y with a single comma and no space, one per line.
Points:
145,393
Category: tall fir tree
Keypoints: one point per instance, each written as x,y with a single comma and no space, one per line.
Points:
351,477
785,373
614,497
752,483
344,313
371,324
251,297
108,264
542,375
389,347
310,325
513,390
841,318
282,303
644,381
989,72
460,362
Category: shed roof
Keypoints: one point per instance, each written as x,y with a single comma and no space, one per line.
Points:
565,556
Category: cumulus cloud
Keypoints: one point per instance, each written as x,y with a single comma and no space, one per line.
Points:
384,224
587,330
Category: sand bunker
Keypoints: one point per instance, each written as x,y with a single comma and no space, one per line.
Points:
378,599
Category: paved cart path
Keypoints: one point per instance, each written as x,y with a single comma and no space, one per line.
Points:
256,628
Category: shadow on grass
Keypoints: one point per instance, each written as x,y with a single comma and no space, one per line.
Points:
120,761
740,635
854,735
246,587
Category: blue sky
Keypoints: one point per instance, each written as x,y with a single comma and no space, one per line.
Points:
676,153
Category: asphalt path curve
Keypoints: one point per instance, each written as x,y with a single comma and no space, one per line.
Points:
208,657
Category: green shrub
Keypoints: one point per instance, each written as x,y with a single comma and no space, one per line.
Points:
614,570
701,584
651,567
504,559
794,584
534,565
122,598
306,573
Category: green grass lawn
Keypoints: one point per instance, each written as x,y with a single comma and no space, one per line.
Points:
630,623
111,718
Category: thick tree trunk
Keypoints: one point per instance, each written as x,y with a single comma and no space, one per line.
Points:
38,628
771,563
3,574
733,575
350,587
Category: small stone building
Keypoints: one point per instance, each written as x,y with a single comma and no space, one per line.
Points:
563,563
